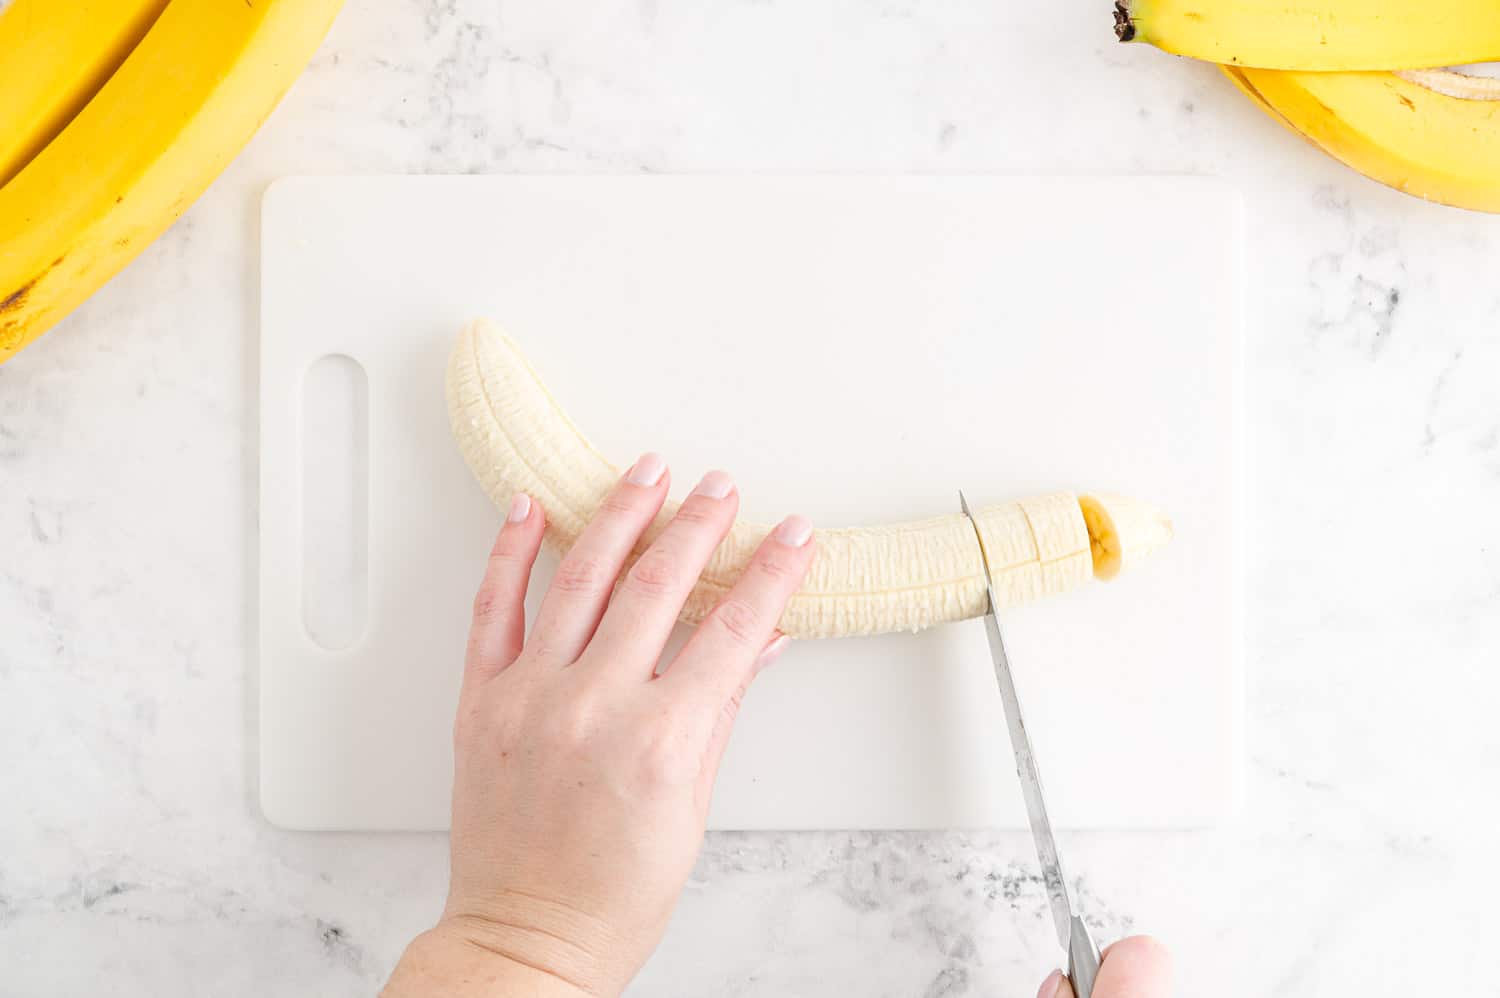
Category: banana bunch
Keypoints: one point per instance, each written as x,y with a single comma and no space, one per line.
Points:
1364,80
114,116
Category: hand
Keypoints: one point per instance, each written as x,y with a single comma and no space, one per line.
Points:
1138,967
582,778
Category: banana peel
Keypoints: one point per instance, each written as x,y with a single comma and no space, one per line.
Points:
1434,134
114,178
56,57
1317,35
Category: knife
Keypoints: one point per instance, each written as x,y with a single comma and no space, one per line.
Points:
1083,955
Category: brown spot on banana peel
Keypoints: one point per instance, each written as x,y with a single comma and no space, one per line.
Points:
14,301
14,324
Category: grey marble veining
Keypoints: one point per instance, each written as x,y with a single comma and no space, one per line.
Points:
132,857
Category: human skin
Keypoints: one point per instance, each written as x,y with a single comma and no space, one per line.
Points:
1137,967
583,773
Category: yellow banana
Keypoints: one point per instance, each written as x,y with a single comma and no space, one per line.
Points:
177,110
1433,133
1237,77
53,57
1325,35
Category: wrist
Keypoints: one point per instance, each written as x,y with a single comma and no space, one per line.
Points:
449,962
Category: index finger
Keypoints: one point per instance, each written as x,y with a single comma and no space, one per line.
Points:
585,577
718,659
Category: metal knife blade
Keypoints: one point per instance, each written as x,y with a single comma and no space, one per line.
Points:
1026,769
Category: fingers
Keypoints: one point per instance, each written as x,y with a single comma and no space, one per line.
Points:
646,604
1056,986
729,711
499,624
1138,967
718,659
586,575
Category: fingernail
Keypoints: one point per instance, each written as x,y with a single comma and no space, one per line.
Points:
794,531
772,651
647,471
715,485
1050,985
520,508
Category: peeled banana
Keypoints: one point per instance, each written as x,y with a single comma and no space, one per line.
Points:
174,113
1431,133
1323,35
903,577
53,57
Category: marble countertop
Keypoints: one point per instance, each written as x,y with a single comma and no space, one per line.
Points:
133,860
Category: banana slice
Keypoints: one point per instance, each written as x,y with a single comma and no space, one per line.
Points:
1121,531
864,580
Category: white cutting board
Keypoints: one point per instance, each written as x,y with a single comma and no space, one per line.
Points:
854,348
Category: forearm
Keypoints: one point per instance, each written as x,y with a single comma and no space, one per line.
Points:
443,965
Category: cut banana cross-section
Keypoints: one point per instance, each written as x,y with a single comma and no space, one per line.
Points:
864,580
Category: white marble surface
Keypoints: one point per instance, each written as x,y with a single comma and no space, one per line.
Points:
132,857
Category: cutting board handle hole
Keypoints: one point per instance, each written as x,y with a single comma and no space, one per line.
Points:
335,434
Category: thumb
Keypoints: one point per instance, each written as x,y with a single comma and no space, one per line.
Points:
1138,967
1055,986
